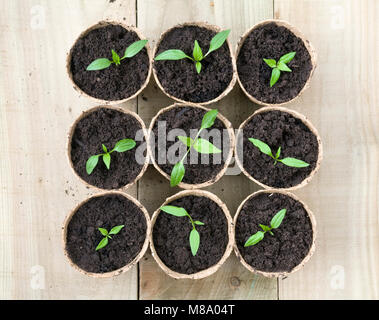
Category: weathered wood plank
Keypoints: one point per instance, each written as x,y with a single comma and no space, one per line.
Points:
343,104
232,281
38,189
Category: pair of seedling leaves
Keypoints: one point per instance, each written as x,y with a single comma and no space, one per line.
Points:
131,51
279,66
194,238
107,235
274,224
197,54
121,146
199,144
288,161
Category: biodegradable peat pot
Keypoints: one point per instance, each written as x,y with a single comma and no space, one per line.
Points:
188,117
278,127
169,239
106,210
116,84
271,39
107,125
293,242
179,79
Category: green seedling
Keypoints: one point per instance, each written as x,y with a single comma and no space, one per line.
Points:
131,51
278,67
290,162
194,238
274,224
121,146
199,144
107,236
197,54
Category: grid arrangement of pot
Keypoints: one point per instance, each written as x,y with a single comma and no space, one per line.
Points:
109,148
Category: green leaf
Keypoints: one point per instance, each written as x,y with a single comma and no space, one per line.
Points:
92,163
99,64
197,53
107,160
283,67
103,231
194,241
199,223
287,57
254,239
209,119
278,153
204,146
270,62
175,211
264,148
293,162
278,218
198,66
124,145
172,54
115,57
102,243
134,48
104,148
264,228
218,40
116,229
275,74
177,174
186,140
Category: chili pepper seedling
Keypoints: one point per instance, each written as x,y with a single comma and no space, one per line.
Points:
107,236
121,146
194,238
199,144
131,51
274,224
291,162
197,54
278,67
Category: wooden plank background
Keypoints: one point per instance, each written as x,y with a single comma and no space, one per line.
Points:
38,189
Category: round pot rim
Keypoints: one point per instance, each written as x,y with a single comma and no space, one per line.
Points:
303,261
131,263
308,45
71,133
228,126
229,248
98,25
231,52
306,122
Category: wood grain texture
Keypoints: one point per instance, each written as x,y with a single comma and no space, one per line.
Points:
343,104
232,281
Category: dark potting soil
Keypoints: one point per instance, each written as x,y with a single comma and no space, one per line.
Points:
291,241
271,41
279,129
116,82
106,126
171,235
187,118
106,212
180,79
